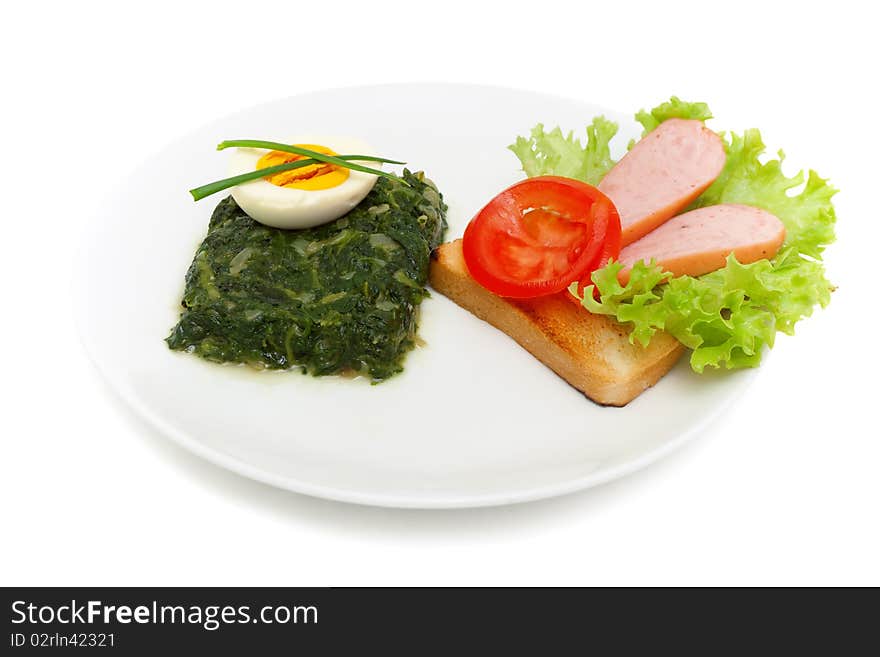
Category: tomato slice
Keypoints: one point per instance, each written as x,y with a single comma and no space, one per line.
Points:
539,235
610,249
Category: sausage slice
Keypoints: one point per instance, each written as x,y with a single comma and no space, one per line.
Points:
699,241
662,174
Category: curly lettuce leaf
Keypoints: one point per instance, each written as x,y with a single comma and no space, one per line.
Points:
553,153
728,317
636,303
675,108
808,215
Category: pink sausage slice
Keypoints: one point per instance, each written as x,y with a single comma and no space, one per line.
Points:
662,174
699,241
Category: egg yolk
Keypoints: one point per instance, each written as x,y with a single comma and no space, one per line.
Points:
311,177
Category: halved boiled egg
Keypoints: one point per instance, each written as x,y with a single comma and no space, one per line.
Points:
304,197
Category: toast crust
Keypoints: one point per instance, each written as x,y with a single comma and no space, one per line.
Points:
591,352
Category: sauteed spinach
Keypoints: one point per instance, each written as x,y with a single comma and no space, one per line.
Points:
337,298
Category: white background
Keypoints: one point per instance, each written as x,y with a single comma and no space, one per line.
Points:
783,490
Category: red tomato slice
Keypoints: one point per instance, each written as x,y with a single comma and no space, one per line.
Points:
610,250
539,235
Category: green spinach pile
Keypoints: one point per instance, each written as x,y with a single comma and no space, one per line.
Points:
338,298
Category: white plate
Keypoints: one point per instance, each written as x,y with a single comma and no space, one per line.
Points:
474,420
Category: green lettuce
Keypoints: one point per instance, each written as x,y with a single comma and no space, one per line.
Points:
552,153
675,108
728,317
808,215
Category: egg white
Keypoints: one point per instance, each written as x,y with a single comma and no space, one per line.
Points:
284,207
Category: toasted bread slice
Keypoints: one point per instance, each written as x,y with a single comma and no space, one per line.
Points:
591,352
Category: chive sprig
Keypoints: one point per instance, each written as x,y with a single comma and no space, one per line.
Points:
312,157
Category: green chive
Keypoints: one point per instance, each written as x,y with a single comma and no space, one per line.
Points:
321,157
212,188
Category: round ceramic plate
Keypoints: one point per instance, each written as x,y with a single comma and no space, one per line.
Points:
474,419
